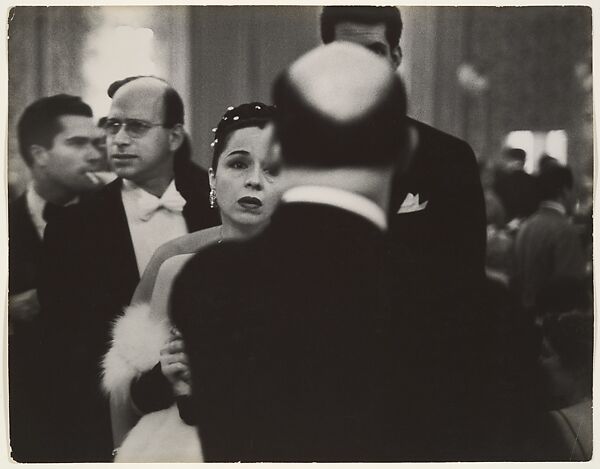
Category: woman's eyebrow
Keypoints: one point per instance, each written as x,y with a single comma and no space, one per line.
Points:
237,151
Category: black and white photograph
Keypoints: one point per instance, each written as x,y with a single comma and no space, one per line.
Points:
299,233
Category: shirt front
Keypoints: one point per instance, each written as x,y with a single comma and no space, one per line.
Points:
149,230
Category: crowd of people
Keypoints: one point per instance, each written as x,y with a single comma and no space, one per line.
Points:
539,259
322,293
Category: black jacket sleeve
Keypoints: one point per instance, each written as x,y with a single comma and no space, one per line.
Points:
151,391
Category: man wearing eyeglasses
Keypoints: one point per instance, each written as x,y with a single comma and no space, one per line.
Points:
95,254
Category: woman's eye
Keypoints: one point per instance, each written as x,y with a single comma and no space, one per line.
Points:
238,165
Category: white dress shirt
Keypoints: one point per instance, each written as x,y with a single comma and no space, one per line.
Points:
35,206
339,198
152,220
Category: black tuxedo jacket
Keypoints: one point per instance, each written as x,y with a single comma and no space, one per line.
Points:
446,239
23,263
89,273
305,345
25,248
289,341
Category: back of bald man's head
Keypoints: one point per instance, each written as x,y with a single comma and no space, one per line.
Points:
340,105
172,102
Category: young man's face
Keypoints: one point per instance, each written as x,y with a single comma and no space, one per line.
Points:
371,36
73,154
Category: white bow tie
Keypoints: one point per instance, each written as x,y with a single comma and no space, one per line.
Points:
173,202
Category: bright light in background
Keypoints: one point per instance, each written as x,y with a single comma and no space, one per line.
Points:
554,143
524,140
122,45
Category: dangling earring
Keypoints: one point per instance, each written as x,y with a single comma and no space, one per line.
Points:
212,198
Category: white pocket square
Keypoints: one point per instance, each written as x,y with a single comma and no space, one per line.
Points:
411,204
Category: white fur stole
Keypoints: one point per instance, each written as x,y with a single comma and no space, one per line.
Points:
161,436
137,339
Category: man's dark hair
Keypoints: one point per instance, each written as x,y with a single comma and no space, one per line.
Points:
389,16
546,161
173,104
553,181
39,122
517,154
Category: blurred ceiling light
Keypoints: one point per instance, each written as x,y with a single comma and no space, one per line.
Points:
121,45
535,144
471,80
556,145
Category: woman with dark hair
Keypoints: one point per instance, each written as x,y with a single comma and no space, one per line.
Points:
145,370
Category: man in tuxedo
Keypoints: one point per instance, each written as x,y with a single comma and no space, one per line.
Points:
95,253
56,137
437,210
288,335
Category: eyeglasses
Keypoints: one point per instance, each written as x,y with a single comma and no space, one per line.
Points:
133,127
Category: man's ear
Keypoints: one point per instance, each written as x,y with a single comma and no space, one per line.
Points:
39,155
396,56
176,137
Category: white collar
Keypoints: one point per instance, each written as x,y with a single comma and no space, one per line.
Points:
339,198
132,188
554,205
35,201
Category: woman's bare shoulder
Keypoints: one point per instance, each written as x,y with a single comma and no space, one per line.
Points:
173,265
189,243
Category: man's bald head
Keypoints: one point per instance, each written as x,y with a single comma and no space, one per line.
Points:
349,83
145,132
155,89
340,105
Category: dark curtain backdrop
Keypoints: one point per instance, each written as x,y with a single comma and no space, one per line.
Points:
236,52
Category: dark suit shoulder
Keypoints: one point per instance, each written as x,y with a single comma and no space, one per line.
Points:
441,147
87,210
99,199
437,135
18,214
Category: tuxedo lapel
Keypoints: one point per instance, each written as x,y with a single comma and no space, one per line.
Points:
114,240
414,184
